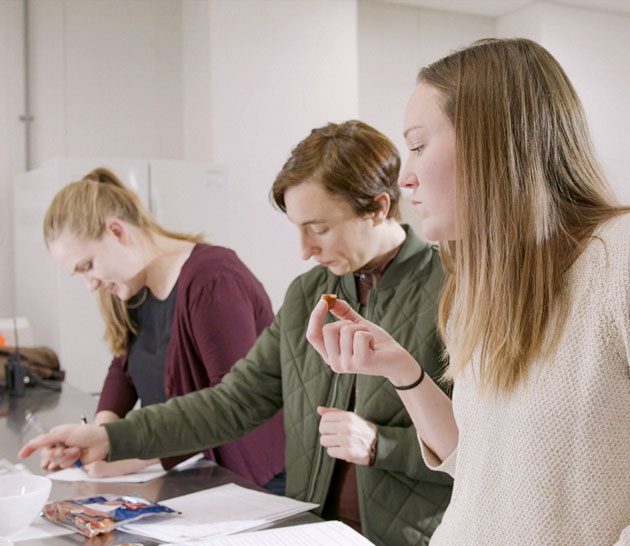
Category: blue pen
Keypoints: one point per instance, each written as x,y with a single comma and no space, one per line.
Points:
78,463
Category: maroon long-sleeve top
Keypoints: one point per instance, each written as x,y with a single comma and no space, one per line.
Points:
220,310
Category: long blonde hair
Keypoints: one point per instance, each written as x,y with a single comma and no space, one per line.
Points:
82,209
529,192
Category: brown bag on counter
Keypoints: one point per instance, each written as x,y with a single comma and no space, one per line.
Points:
40,361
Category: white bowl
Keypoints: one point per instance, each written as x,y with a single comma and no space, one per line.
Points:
22,497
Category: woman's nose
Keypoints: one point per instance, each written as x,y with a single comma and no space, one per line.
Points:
408,179
92,284
306,247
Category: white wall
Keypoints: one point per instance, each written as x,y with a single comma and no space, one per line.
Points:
395,41
106,78
592,47
278,69
11,138
196,81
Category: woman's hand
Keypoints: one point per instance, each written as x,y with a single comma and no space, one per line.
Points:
57,457
347,436
356,345
66,444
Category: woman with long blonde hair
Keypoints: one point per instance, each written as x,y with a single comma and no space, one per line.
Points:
535,312
178,313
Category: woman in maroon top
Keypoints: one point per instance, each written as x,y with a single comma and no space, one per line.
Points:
178,313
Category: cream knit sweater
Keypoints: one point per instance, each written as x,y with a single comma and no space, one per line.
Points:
550,463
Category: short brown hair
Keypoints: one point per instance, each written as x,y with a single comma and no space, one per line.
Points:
352,160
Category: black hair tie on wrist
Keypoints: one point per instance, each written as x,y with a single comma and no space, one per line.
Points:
414,384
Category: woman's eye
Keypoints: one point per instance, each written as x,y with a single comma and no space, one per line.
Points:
320,231
417,150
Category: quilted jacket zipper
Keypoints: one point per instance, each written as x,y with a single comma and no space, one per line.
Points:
320,452
331,402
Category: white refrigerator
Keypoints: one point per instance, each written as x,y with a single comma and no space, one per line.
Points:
185,196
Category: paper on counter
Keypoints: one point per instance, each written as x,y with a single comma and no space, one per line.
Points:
146,474
310,534
219,511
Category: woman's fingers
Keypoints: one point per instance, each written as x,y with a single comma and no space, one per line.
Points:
314,330
67,443
363,347
346,345
62,457
39,442
343,311
331,334
347,337
338,343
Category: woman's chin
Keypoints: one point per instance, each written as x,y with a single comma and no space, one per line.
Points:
433,232
338,270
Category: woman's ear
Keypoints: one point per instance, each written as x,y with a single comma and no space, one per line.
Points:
384,202
117,229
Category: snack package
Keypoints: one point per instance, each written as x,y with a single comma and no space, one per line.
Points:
97,515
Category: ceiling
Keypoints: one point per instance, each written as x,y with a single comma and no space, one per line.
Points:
497,8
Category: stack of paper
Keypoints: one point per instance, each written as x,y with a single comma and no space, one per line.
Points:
311,534
216,512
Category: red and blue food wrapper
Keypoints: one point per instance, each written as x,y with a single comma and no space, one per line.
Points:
94,516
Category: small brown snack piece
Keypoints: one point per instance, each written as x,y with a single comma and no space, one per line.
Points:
330,300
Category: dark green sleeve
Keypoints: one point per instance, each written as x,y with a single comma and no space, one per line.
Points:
247,396
398,450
